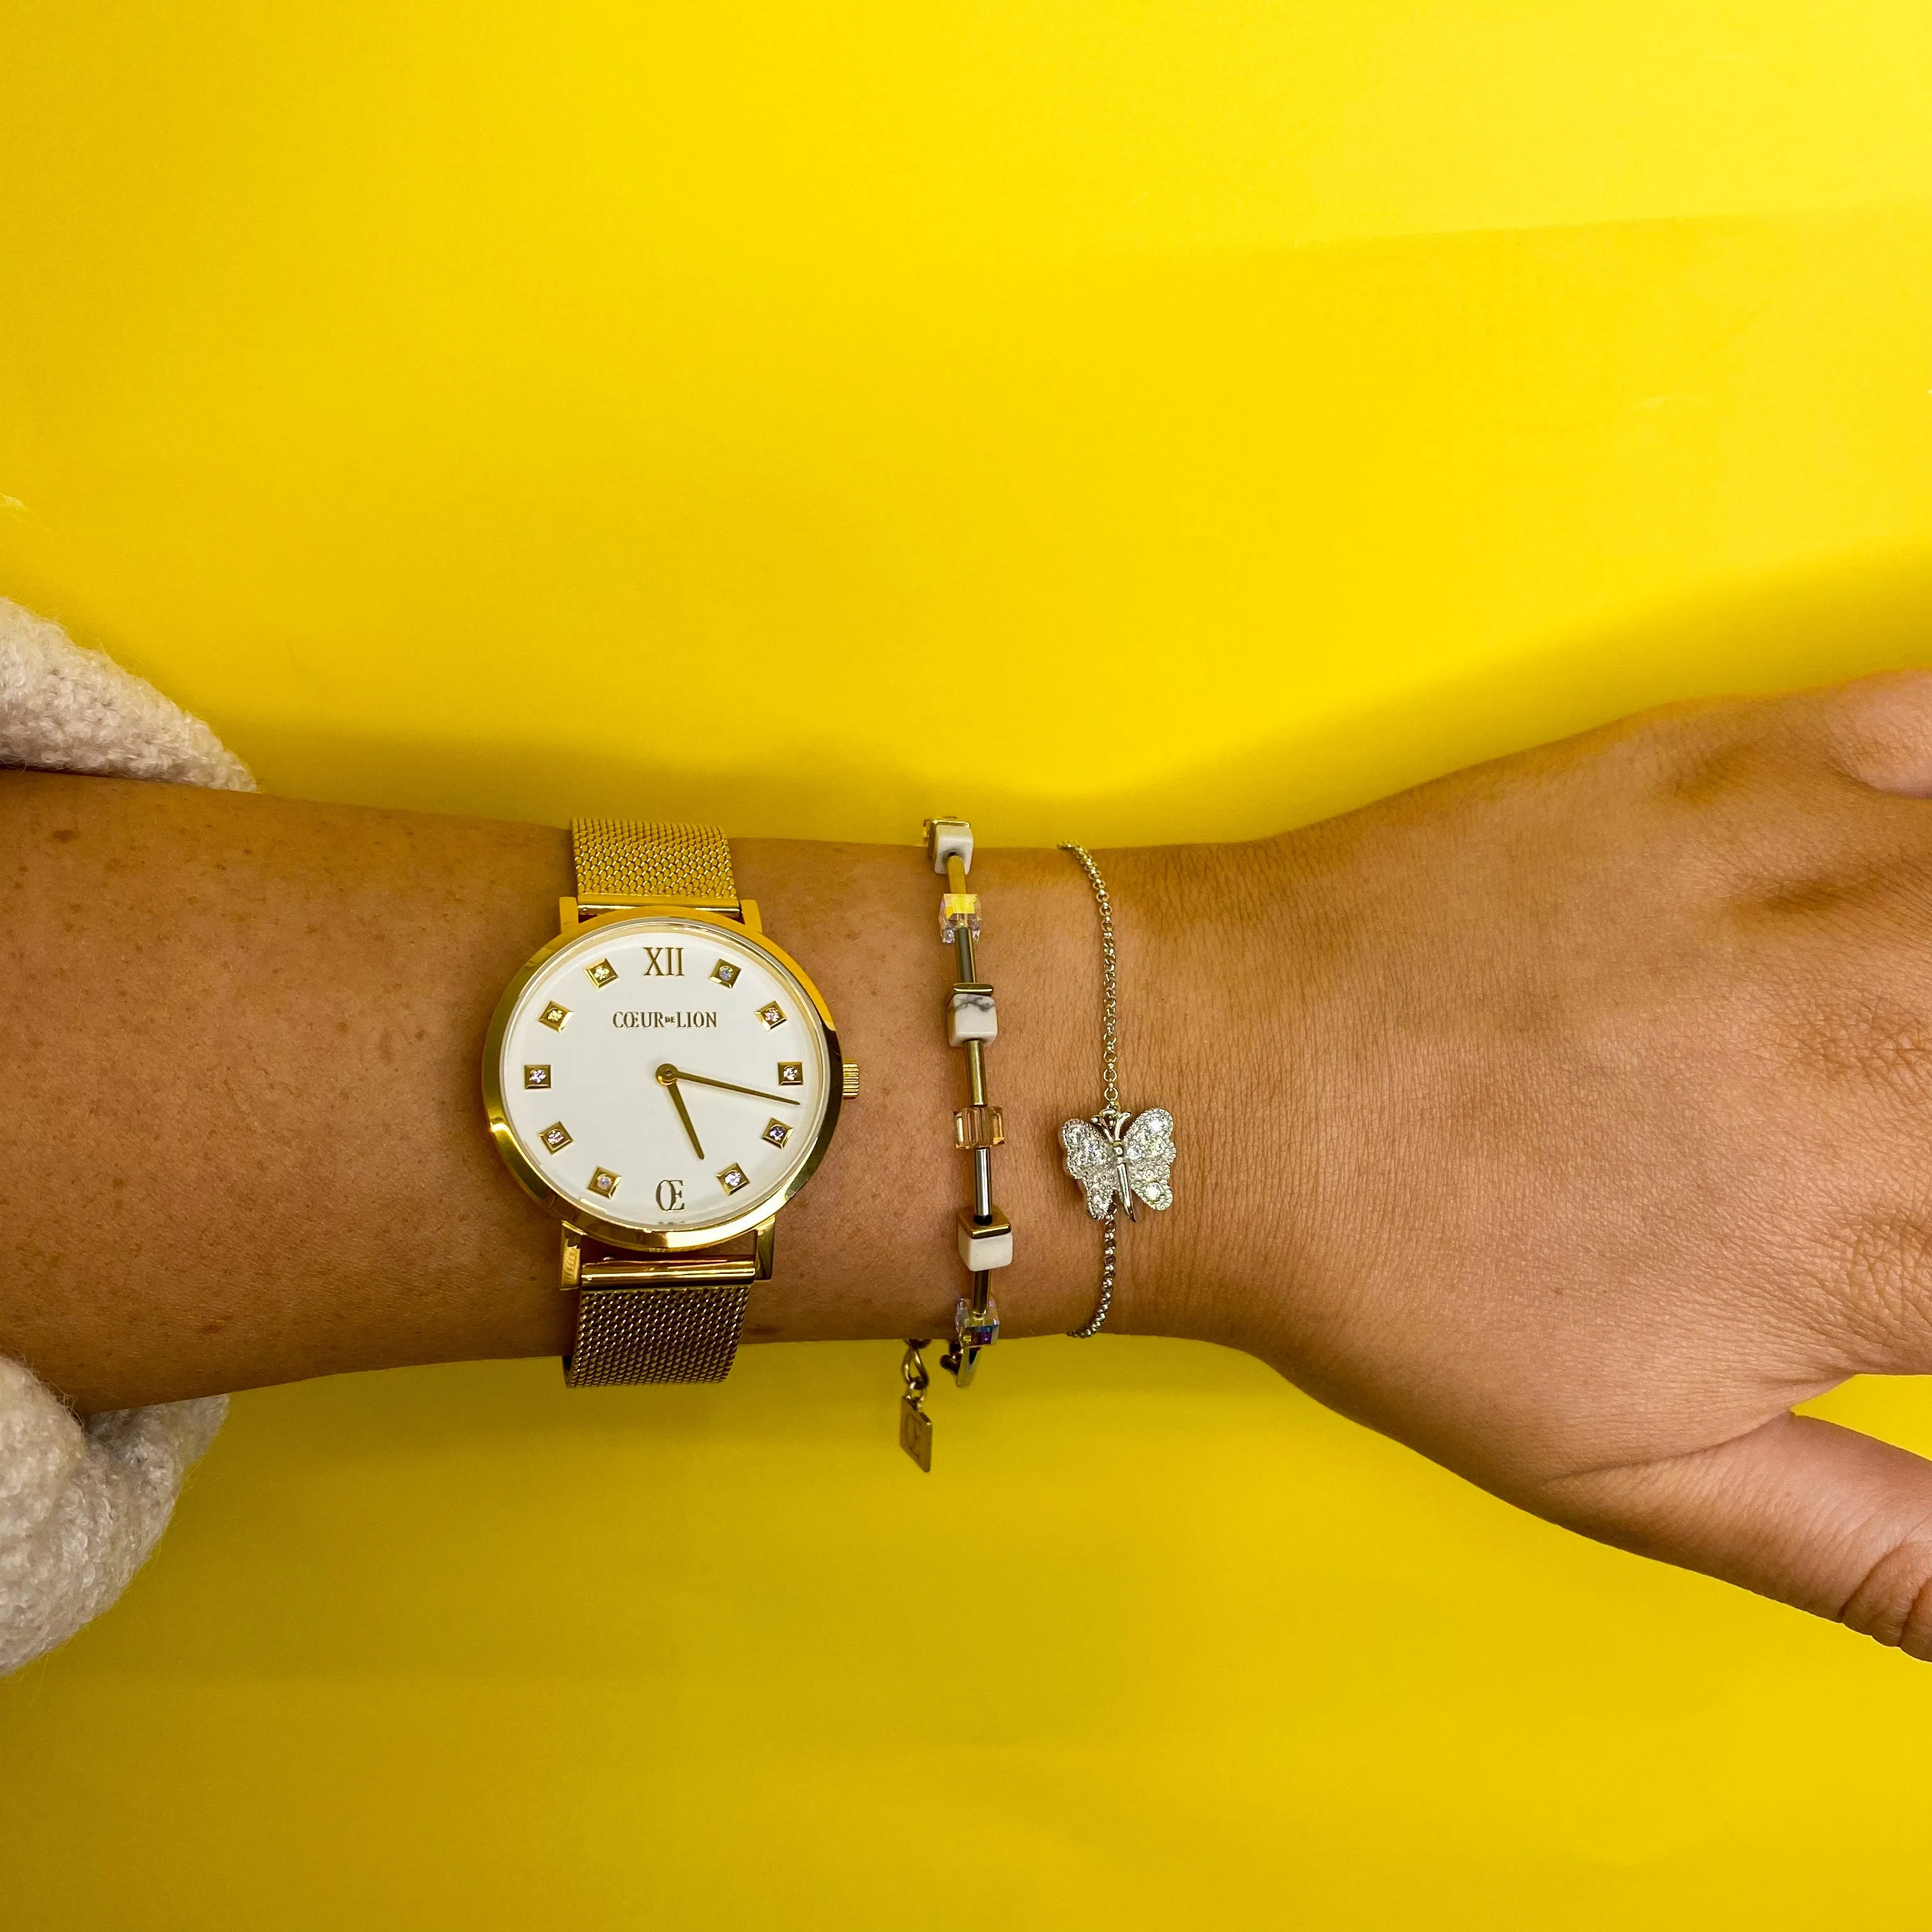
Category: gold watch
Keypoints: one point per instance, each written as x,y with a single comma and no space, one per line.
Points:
667,1079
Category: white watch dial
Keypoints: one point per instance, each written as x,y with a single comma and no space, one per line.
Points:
665,1074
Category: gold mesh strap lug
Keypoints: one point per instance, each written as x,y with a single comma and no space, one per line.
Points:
658,1318
653,1317
627,858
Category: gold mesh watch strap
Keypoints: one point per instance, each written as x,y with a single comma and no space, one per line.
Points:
667,1329
631,858
668,1334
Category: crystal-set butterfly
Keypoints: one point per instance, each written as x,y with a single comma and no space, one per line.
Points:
1121,1160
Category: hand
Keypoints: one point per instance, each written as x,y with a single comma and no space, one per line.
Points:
671,1076
668,1077
1608,1070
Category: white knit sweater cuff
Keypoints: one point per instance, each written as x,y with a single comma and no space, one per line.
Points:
83,1500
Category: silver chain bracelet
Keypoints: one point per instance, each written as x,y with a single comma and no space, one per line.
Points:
1120,1158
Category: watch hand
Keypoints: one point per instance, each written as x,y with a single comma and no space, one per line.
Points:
669,1074
668,1077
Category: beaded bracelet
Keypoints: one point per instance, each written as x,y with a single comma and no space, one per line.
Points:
985,1235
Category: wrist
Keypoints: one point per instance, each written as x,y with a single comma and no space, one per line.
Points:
1213,1027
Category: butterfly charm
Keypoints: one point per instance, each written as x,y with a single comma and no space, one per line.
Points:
1114,1158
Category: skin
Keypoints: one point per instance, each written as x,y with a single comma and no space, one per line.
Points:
1566,1119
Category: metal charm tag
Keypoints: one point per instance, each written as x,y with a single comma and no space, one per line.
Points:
916,1433
915,1425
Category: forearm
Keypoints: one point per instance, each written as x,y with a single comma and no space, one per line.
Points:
1565,1119
245,1141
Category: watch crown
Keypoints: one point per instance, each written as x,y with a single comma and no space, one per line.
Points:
850,1090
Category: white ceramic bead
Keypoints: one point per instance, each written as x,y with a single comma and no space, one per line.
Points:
985,1247
972,1015
947,838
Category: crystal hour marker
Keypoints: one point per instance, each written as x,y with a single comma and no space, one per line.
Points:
553,1016
777,1132
536,1076
603,1182
725,974
772,1013
555,1137
601,973
791,1073
734,1177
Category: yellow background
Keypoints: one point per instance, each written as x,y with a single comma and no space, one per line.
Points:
1132,420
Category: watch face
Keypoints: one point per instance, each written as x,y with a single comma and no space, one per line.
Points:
662,1075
